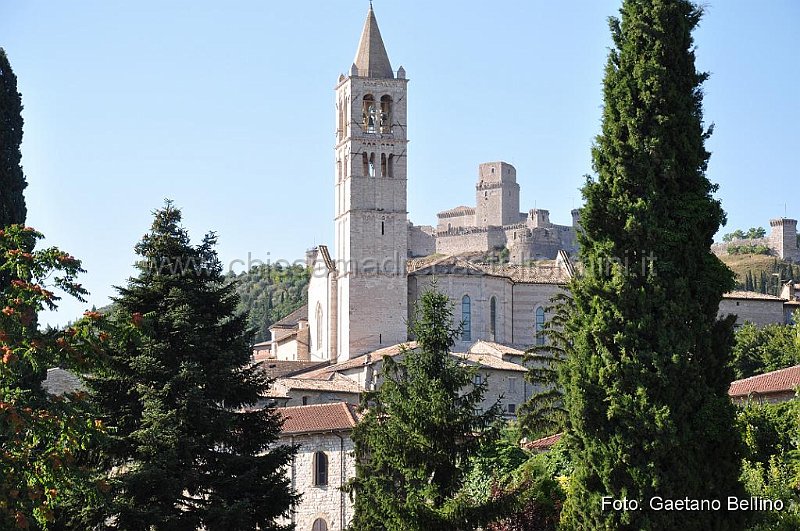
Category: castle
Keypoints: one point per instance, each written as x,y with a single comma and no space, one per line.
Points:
782,241
494,223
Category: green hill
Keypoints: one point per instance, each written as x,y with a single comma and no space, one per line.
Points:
758,272
270,292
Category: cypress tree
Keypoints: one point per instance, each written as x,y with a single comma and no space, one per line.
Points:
647,384
190,446
12,180
418,432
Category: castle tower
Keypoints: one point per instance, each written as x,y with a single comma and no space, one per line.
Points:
496,195
783,238
371,239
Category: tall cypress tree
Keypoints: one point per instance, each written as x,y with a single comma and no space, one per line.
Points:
191,448
12,180
646,393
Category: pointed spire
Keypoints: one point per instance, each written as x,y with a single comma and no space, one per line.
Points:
371,58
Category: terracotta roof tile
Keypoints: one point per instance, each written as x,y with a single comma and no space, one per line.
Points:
285,368
338,416
549,272
772,382
545,443
754,295
333,383
291,320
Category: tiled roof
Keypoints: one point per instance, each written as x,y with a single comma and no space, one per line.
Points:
335,383
60,381
545,443
549,272
291,320
494,349
360,361
338,416
772,382
285,368
491,362
753,295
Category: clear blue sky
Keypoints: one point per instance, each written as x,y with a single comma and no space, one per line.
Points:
227,108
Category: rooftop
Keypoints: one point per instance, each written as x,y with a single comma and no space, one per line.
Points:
782,380
371,58
752,295
545,443
291,320
318,418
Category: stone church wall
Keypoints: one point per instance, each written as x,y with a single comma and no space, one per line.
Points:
421,240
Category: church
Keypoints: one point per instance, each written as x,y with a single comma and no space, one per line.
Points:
362,290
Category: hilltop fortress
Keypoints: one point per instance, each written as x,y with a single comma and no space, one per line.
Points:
495,223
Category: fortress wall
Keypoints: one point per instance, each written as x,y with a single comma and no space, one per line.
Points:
421,241
475,241
721,249
455,222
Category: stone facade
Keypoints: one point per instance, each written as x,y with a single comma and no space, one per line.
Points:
756,308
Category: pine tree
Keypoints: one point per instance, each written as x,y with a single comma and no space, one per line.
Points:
418,432
647,390
543,413
12,180
191,447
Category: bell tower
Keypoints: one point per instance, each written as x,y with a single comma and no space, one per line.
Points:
371,239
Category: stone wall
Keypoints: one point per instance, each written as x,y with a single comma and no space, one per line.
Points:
757,311
327,502
476,240
421,240
527,298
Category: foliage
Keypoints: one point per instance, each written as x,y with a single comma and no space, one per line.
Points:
771,468
419,430
12,180
268,293
543,413
646,394
190,447
748,248
40,435
752,234
760,349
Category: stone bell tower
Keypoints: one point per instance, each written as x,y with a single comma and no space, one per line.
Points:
371,239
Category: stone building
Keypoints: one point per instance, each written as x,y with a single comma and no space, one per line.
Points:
323,464
361,294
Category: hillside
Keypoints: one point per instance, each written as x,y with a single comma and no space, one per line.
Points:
270,292
757,272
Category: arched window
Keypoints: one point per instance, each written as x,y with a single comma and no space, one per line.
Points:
384,166
319,525
365,163
391,166
493,317
320,469
372,165
466,318
319,326
539,325
369,114
386,114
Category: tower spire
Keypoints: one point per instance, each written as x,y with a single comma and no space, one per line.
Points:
371,58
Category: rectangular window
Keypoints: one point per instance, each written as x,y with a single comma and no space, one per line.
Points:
512,408
512,385
477,379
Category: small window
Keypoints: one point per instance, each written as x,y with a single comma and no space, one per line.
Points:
478,379
319,525
466,318
493,317
383,228
539,325
386,114
320,469
512,408
512,385
305,400
369,114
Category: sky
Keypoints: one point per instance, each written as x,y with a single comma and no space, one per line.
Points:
227,108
